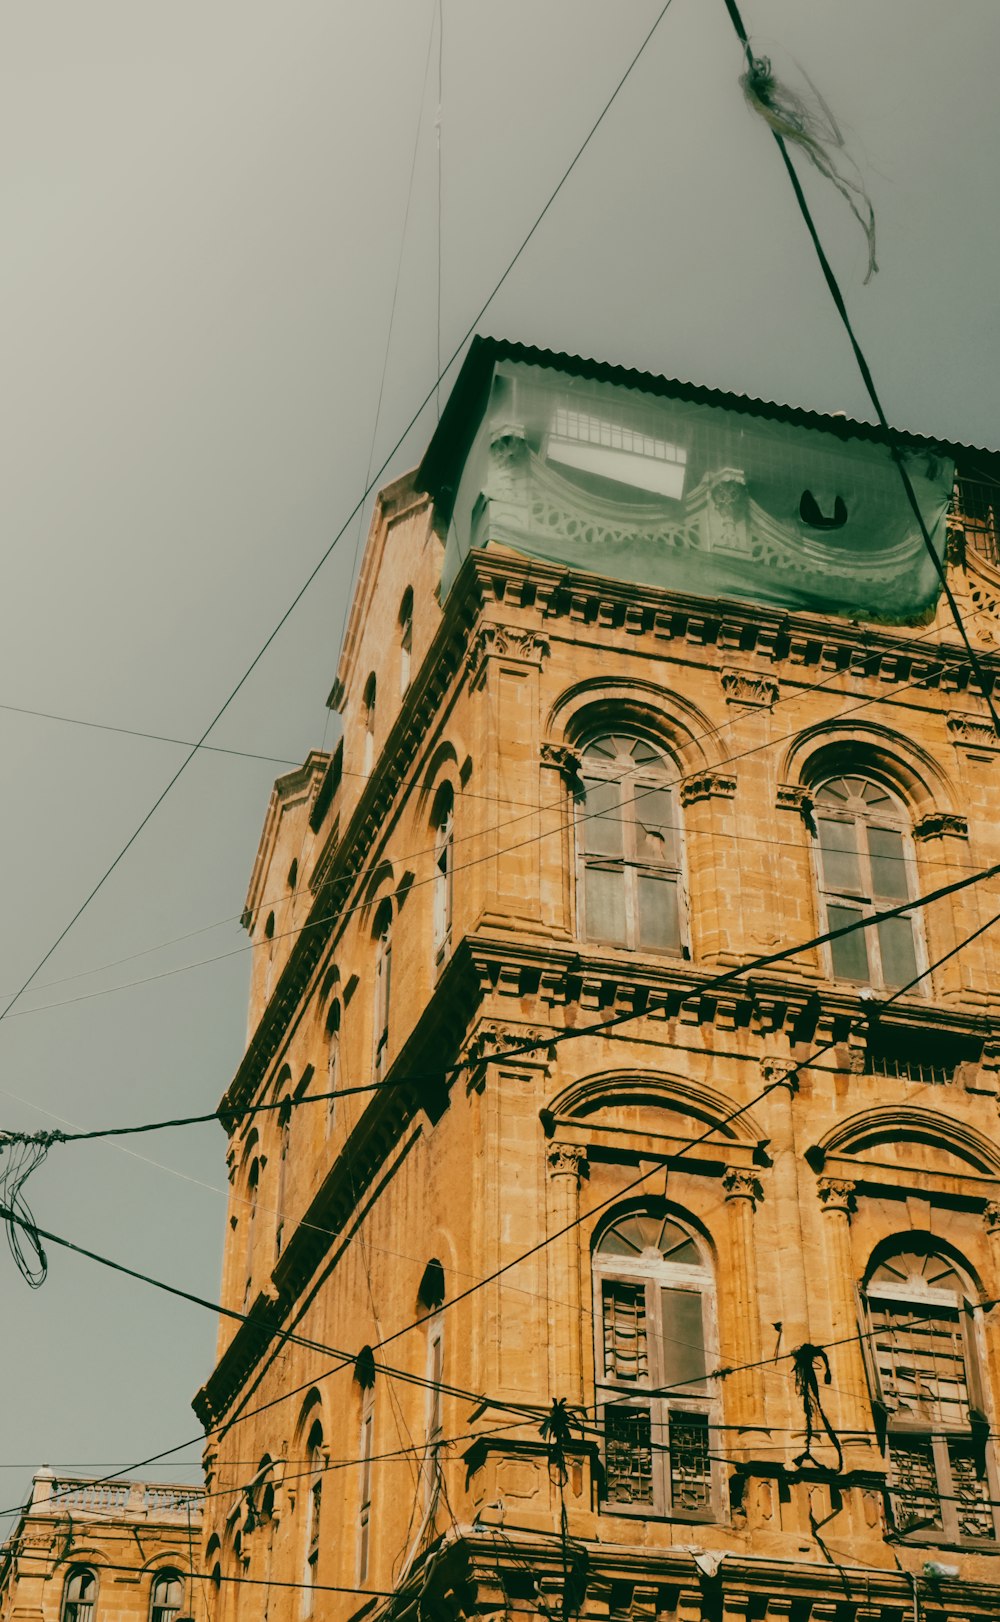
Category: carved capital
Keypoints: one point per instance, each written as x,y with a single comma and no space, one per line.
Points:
836,1194
972,731
742,1185
776,1072
935,823
521,1046
991,1217
793,797
707,786
563,759
745,687
566,1160
505,642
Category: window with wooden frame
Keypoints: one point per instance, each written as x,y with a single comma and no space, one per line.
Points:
443,821
166,1596
920,1338
435,1428
368,717
866,865
629,844
332,1059
405,640
365,1451
79,1595
250,1218
383,986
657,1403
284,1145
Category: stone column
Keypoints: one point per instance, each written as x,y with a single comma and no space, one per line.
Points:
849,1400
744,1405
566,1165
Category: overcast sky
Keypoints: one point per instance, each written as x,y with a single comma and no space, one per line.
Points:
203,215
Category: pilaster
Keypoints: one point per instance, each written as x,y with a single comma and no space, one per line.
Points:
566,1164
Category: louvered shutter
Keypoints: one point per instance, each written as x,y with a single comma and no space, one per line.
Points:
866,1340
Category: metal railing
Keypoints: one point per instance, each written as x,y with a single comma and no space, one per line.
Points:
975,509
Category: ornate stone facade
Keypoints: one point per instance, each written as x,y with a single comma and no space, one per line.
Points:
638,1138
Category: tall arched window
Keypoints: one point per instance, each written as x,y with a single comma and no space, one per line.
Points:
405,639
630,847
332,1059
166,1596
865,866
250,1218
314,1507
364,1372
925,1371
383,982
284,1144
654,1326
369,723
79,1595
444,866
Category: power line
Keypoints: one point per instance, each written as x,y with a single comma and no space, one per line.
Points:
348,520
869,382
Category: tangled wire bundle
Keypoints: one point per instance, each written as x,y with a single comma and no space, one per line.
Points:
20,1155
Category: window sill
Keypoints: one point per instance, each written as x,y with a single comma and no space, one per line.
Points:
644,1512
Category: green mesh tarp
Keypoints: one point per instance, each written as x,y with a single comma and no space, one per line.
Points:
697,498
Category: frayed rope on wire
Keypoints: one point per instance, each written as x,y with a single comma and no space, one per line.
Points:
815,131
804,1361
20,1155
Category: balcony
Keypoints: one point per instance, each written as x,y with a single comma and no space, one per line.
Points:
129,1501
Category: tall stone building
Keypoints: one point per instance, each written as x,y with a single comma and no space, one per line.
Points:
644,688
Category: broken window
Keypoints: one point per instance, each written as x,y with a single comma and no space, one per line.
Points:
166,1597
865,867
922,1354
79,1595
630,846
653,1316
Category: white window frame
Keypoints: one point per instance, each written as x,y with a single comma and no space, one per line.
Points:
701,1398
630,864
382,1003
314,1519
332,1024
864,900
434,1418
369,704
366,1448
405,641
444,881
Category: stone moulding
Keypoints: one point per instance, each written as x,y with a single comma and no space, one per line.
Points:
492,641
934,824
561,757
972,731
793,797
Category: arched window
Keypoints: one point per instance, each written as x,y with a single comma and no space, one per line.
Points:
369,722
654,1325
79,1595
314,1507
284,1144
405,639
332,1058
921,1343
865,866
383,981
444,867
630,846
166,1596
365,1450
250,1218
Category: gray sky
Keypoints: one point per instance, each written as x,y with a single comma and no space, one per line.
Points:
203,208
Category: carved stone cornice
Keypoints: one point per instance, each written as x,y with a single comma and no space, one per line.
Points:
972,731
991,1217
775,1072
566,1160
492,641
933,824
793,797
707,785
561,757
748,687
516,1047
742,1185
836,1194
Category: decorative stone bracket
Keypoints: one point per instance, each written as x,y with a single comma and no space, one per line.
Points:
505,642
972,731
742,1185
493,1043
707,785
793,797
935,823
745,687
561,757
836,1194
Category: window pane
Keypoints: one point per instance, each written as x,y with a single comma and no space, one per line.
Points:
975,1515
838,842
601,821
659,913
683,1337
889,879
850,953
899,958
913,1482
626,1351
604,904
690,1465
628,1455
655,835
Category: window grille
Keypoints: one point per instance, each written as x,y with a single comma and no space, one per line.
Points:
929,1057
630,847
166,1597
923,1360
653,1298
865,866
79,1595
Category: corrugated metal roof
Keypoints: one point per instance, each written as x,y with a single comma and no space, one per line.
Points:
465,405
